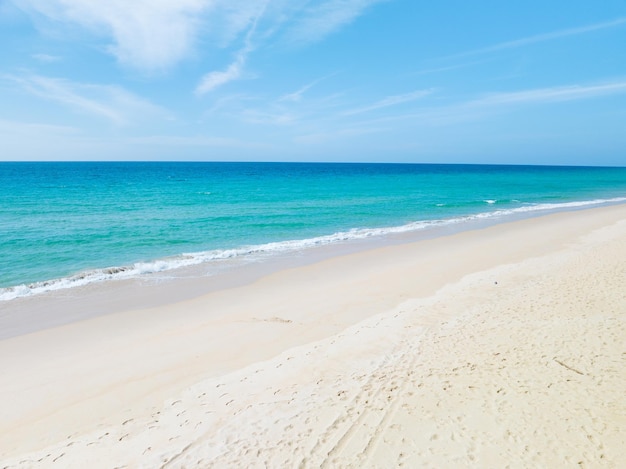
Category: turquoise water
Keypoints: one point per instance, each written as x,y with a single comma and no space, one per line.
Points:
67,224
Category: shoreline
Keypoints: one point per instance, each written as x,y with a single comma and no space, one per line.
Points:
338,315
214,261
57,308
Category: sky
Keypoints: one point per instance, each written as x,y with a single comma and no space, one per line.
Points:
447,81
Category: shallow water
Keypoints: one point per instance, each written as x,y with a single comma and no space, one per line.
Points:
69,224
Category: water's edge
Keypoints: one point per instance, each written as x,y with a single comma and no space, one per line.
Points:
215,261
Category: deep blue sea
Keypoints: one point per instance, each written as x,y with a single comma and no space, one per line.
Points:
68,224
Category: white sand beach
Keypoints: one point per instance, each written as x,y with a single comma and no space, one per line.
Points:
497,347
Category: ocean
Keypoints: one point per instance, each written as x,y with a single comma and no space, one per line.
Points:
64,225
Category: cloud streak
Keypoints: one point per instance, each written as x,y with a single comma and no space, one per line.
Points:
215,79
297,95
542,38
318,21
547,95
27,129
46,58
155,35
491,103
193,141
390,101
113,103
303,24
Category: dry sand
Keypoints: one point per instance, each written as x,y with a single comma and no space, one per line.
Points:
500,347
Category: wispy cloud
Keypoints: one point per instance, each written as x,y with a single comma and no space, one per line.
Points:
193,141
299,22
297,95
38,141
320,19
155,35
215,79
268,117
46,58
110,102
541,38
493,103
287,110
340,134
390,101
28,129
546,95
428,71
147,34
225,104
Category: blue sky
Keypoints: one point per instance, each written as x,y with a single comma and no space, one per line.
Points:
314,80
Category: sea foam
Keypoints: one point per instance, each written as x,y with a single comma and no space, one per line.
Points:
254,252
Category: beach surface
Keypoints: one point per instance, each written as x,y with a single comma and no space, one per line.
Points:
497,347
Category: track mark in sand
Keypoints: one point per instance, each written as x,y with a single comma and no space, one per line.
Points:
274,319
407,361
361,439
568,367
176,456
360,423
322,449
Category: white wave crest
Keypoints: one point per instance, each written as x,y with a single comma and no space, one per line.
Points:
195,258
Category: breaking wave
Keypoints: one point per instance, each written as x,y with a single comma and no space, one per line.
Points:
254,251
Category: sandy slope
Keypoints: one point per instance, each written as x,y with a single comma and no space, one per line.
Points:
501,347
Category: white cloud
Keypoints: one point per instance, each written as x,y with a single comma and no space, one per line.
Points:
234,71
113,103
317,21
153,35
9,12
228,19
390,101
147,34
215,79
